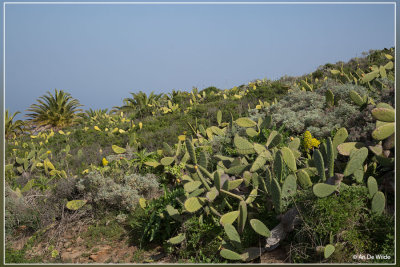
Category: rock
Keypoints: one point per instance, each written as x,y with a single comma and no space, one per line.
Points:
102,255
68,256
79,240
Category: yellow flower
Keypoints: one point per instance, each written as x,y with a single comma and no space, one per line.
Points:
48,152
85,171
97,128
61,132
140,125
106,130
121,131
105,162
309,141
178,180
86,128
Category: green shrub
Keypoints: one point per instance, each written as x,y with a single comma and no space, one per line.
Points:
18,213
301,111
344,220
122,194
202,240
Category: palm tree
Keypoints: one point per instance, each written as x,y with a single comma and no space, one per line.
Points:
59,110
139,104
12,128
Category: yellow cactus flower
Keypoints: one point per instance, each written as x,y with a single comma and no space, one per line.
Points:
48,152
309,141
182,137
96,128
291,138
115,130
14,149
140,125
33,136
101,151
61,132
85,171
16,143
121,131
178,180
106,130
41,143
68,133
105,162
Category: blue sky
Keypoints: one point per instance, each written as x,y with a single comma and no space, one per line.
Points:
101,53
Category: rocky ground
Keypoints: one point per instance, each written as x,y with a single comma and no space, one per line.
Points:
75,246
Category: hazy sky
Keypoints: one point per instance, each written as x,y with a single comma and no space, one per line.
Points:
101,53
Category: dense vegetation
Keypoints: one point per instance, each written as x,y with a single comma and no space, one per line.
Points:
302,164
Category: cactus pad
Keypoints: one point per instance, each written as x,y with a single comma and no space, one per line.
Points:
258,163
372,186
378,203
304,179
383,114
260,227
328,251
230,255
319,164
345,148
329,98
177,239
191,186
288,158
229,217
243,145
323,190
167,161
193,204
233,235
383,131
276,195
242,216
245,122
356,161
